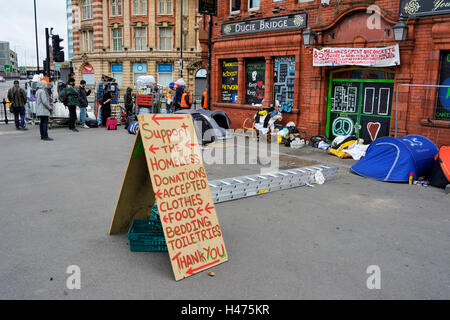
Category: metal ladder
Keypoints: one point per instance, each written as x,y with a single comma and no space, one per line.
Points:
247,186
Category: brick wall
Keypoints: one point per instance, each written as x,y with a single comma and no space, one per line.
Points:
340,24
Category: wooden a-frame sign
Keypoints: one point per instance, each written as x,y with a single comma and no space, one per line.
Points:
166,165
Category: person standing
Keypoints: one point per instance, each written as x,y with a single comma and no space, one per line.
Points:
83,102
179,91
43,109
106,105
128,98
186,100
205,100
72,103
18,98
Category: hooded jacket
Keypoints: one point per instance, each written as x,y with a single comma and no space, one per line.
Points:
82,97
128,100
42,102
72,96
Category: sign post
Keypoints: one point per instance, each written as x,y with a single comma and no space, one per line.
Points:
208,7
166,166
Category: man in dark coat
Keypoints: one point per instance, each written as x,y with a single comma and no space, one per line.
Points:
18,98
129,105
72,103
83,102
106,105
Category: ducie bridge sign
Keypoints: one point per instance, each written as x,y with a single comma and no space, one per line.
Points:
296,21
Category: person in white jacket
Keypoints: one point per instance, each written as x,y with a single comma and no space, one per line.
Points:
43,109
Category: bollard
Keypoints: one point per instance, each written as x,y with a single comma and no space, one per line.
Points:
4,109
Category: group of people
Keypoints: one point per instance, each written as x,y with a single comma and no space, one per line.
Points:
69,96
178,98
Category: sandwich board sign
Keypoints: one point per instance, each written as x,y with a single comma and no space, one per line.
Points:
166,165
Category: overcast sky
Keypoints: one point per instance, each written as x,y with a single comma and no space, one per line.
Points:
17,26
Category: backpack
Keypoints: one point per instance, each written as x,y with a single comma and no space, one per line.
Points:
63,97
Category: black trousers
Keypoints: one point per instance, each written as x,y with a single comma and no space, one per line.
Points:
43,126
72,116
106,113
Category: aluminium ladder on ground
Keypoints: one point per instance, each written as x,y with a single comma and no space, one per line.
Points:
252,185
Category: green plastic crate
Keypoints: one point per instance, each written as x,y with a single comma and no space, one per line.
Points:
154,215
145,235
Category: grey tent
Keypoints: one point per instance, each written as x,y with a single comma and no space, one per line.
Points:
210,125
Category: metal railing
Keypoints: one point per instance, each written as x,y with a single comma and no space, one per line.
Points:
5,114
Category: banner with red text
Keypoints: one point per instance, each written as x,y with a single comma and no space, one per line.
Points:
367,57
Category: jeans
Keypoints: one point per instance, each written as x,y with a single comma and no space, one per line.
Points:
83,115
43,126
19,111
72,116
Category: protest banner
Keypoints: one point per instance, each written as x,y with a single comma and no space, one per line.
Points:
368,57
166,165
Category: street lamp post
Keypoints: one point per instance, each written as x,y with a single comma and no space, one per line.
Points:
35,31
181,39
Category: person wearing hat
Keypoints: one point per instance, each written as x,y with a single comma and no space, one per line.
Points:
83,101
170,96
106,104
18,98
72,103
43,109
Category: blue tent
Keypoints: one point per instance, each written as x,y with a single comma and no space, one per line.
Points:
393,159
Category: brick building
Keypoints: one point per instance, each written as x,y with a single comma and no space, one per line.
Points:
259,56
124,39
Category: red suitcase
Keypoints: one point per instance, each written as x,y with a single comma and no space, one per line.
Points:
111,124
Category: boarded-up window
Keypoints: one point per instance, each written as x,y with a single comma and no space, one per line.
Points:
256,72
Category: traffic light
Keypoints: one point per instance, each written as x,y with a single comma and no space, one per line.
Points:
58,53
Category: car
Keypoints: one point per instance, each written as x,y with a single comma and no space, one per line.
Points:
2,79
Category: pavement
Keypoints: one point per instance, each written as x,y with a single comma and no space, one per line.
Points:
318,242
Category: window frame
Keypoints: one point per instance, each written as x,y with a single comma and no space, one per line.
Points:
114,38
255,8
141,7
231,8
165,11
170,38
115,5
86,6
143,36
87,38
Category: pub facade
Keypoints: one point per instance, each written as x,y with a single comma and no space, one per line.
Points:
367,68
